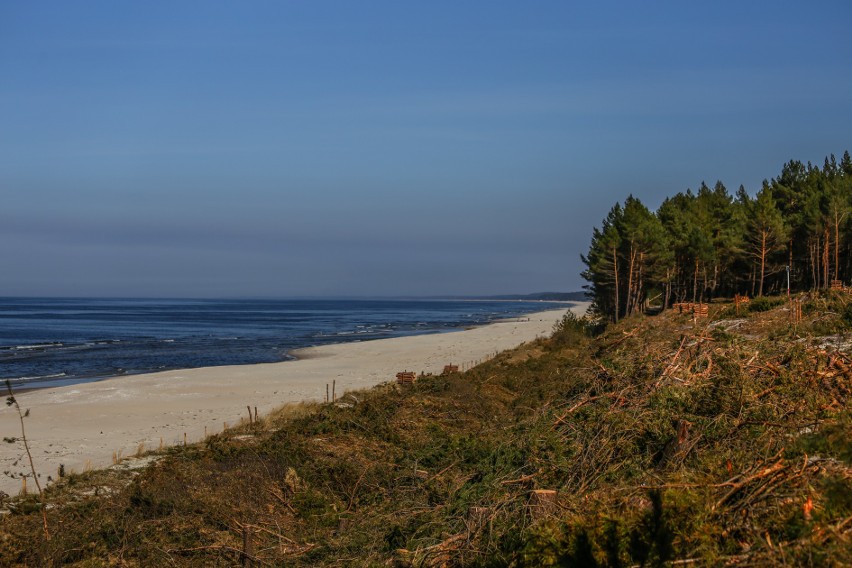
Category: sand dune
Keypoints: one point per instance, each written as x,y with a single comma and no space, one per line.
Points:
84,425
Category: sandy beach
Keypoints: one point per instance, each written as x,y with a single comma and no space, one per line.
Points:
83,426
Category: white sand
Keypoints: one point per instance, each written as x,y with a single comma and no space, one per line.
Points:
82,425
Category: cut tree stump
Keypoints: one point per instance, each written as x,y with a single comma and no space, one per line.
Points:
543,502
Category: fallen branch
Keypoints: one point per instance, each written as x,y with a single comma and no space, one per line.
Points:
523,479
561,419
737,485
670,366
217,548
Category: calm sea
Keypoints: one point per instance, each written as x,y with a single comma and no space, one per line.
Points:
54,342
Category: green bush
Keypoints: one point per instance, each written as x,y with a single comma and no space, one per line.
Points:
570,330
765,303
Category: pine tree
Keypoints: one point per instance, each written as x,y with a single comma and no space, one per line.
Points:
766,232
603,266
641,235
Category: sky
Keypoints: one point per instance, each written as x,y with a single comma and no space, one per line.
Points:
384,148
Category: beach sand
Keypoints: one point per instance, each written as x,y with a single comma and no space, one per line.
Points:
83,426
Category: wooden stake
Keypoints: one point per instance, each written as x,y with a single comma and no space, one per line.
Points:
249,411
333,395
326,392
248,546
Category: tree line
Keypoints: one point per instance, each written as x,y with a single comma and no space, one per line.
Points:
709,243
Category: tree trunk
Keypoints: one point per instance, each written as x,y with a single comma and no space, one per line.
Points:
811,262
753,278
762,261
837,219
615,271
640,301
695,283
812,248
790,261
715,278
630,280
826,237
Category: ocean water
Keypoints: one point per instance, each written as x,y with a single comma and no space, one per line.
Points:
54,342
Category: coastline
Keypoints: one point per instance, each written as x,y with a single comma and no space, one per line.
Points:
84,425
59,342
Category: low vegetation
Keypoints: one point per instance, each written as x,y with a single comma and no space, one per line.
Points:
659,441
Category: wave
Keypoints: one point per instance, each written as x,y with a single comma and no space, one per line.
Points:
56,345
36,378
31,347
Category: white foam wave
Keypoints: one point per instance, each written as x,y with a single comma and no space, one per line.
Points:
36,378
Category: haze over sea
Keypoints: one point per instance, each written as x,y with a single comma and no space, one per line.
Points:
55,342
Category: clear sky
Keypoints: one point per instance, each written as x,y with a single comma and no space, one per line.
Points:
278,148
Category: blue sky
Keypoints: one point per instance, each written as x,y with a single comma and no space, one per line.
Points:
384,148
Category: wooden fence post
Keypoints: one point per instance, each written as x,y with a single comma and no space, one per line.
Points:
248,546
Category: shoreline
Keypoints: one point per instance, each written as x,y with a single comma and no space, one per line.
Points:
24,384
290,355
82,426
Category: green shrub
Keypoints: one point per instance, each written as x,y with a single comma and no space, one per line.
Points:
570,330
765,303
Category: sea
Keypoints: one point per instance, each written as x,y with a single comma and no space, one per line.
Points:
57,342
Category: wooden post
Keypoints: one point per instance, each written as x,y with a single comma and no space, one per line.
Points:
249,411
333,387
326,392
255,414
184,439
795,311
248,546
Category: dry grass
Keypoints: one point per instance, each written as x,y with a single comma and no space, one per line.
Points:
718,441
